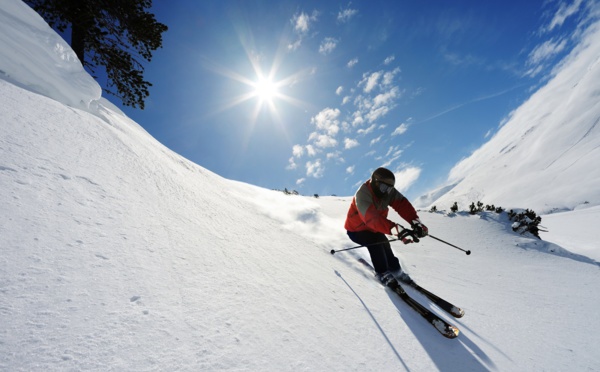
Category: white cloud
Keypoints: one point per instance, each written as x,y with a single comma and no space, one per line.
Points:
302,23
350,143
315,169
346,14
546,50
295,45
406,177
367,130
379,106
386,97
534,71
388,77
377,113
352,62
375,140
297,151
372,108
357,119
337,156
392,155
401,129
389,60
371,98
327,120
371,81
394,151
388,162
381,80
564,12
345,126
350,169
300,181
292,164
322,140
328,45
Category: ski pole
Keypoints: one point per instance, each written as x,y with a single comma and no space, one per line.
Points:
333,251
452,245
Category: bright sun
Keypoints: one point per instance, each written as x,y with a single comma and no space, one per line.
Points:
265,89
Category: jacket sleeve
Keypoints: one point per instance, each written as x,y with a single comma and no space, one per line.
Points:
403,207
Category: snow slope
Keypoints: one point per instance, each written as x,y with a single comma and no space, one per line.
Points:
546,156
118,254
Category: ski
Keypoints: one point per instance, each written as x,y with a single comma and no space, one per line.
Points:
446,329
451,309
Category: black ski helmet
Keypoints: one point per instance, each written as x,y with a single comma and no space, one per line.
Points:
383,175
382,181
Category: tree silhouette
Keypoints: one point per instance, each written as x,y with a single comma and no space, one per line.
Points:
116,34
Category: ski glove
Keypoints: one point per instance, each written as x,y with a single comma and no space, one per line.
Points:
406,236
420,230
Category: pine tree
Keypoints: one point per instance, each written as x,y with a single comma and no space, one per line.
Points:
454,207
115,34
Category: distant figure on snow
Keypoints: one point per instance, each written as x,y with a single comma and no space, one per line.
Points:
367,223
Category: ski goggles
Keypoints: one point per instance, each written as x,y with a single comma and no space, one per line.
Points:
384,187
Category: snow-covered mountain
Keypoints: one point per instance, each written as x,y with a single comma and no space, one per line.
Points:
546,156
118,254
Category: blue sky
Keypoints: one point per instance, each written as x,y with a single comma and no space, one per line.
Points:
350,86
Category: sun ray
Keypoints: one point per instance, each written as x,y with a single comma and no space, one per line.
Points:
264,85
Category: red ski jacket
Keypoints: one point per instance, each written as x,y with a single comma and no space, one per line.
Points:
368,212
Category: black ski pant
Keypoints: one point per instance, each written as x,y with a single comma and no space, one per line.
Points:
381,252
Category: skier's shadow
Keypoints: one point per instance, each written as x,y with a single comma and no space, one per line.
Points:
374,321
448,355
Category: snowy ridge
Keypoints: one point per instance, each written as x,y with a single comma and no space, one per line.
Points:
37,58
545,156
118,254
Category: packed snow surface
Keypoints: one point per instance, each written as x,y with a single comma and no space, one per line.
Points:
118,254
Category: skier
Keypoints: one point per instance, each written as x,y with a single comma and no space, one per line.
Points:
367,223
